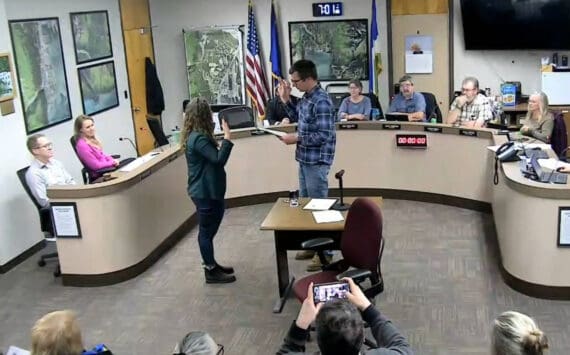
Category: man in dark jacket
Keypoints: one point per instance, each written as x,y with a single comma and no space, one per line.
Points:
340,329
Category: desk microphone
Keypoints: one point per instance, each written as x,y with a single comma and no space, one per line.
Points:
132,143
340,206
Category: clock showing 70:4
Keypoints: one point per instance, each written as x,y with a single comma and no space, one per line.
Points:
326,9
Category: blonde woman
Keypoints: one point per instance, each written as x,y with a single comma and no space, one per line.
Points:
57,333
539,122
517,334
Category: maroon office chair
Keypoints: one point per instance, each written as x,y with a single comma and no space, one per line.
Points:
361,246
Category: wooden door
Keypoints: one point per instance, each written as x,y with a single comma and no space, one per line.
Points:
137,36
419,17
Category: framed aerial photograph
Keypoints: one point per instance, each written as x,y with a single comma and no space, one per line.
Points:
6,78
338,48
214,65
91,36
98,87
40,66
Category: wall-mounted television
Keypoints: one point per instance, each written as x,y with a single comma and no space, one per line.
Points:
338,48
516,24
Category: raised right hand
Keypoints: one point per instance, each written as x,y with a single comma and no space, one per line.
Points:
226,129
284,90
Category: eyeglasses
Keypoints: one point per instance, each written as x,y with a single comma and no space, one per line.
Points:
465,89
47,146
220,350
407,85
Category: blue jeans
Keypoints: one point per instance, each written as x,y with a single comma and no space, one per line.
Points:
314,183
313,180
210,214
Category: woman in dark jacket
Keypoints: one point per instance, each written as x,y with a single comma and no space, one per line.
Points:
207,181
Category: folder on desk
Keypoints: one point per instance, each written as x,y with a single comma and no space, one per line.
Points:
320,204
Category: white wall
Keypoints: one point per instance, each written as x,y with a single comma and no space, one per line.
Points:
169,18
493,66
19,224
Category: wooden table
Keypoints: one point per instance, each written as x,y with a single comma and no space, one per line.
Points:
292,226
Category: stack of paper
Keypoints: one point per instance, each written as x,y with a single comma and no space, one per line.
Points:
327,216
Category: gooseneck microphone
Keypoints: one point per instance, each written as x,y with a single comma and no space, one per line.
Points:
340,206
132,144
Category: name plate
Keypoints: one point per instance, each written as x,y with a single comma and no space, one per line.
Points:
433,129
411,141
468,132
348,126
392,126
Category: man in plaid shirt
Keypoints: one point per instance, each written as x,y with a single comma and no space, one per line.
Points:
316,136
471,109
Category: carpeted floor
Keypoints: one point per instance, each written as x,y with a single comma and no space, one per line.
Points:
442,289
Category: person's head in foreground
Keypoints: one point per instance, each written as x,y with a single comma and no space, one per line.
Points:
517,334
198,343
40,147
57,333
197,117
340,329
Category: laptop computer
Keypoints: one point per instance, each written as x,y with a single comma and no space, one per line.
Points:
543,176
395,116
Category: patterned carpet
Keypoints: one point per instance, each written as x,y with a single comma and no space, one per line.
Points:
443,290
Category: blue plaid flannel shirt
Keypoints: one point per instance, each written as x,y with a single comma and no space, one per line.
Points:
314,114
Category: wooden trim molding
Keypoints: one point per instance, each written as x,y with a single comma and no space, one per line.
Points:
20,258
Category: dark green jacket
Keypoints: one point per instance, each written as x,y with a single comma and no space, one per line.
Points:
206,174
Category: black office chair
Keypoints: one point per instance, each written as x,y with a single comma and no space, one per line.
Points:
86,173
45,221
155,127
375,103
432,108
237,117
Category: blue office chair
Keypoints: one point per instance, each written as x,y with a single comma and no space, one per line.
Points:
45,221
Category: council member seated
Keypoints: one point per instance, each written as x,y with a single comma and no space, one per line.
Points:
356,107
470,109
539,123
44,169
90,150
408,101
275,112
340,327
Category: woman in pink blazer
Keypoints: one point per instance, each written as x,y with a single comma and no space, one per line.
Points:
89,148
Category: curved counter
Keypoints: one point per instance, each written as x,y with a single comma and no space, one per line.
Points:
127,223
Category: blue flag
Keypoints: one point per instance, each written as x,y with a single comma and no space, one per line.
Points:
275,55
375,61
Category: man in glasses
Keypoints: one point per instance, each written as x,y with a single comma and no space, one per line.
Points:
408,101
315,137
470,109
44,169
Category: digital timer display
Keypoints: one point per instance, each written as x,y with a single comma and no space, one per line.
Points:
411,140
326,9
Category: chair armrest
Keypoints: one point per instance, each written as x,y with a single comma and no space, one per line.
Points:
317,243
358,275
106,170
115,156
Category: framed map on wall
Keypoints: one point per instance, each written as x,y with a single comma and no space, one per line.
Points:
338,48
214,65
41,72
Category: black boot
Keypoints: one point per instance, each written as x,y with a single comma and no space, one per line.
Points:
225,269
217,276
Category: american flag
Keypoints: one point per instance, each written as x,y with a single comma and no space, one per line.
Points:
254,77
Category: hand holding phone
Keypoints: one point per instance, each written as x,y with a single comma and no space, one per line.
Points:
329,291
